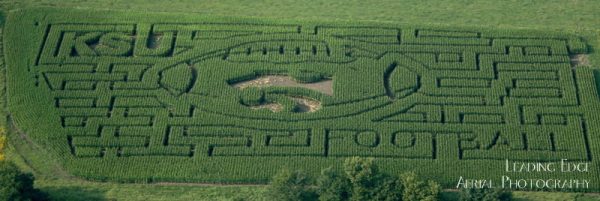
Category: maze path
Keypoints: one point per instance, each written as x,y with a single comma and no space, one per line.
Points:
456,77
123,91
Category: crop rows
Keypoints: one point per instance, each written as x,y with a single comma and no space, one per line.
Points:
119,95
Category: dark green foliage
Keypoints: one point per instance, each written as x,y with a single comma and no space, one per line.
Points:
363,181
291,186
16,185
418,190
485,194
333,186
368,183
389,188
363,175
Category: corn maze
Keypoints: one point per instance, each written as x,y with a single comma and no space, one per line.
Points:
128,97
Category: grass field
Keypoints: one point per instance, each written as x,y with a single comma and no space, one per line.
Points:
546,14
61,187
69,190
112,112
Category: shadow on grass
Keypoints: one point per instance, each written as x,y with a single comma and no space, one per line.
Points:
73,193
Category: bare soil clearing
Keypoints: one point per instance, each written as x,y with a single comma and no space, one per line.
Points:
580,60
274,107
307,104
324,86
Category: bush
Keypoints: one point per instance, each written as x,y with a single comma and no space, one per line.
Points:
16,185
361,180
363,175
389,189
288,185
485,194
333,186
417,190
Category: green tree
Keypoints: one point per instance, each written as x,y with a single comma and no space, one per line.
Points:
417,190
16,185
485,194
363,175
389,189
291,186
333,186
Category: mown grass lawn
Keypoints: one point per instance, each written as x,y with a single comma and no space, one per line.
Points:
547,14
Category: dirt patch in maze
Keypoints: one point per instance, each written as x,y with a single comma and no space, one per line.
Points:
306,104
579,60
323,86
303,105
274,107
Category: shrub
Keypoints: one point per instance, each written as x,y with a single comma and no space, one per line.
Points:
333,186
363,175
291,185
485,194
16,185
417,190
389,189
361,180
